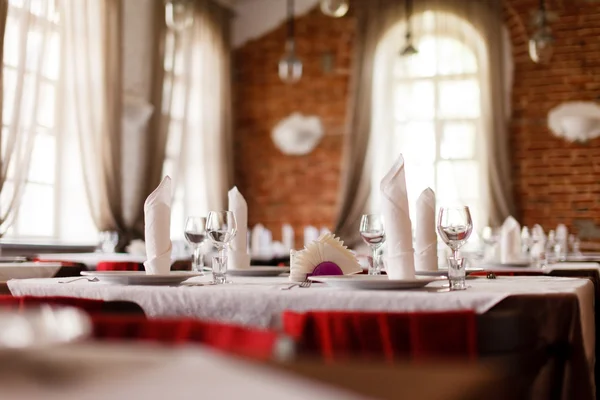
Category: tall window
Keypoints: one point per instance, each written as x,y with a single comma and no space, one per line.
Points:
428,107
31,74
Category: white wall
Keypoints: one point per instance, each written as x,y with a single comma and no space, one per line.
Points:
254,18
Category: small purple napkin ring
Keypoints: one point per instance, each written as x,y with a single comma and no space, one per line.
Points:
326,268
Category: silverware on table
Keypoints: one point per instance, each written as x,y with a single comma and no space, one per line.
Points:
94,279
304,284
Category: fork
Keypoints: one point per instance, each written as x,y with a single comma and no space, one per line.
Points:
304,284
94,279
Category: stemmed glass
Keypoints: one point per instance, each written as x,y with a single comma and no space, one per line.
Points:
454,227
373,234
221,228
195,234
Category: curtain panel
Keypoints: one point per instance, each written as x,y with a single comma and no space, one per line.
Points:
374,19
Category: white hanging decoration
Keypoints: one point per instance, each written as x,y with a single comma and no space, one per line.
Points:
575,121
297,134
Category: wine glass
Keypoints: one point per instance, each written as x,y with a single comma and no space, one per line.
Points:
373,234
221,228
454,227
195,234
109,241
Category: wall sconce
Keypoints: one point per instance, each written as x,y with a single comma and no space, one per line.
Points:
335,8
179,14
290,67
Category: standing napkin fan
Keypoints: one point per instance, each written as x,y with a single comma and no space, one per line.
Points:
325,256
510,242
157,230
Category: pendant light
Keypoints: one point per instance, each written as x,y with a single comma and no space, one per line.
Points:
409,49
290,67
541,44
179,14
334,8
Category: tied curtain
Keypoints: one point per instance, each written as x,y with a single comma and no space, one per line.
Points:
197,109
365,134
23,47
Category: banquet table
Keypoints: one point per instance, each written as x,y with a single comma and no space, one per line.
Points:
91,370
562,308
91,260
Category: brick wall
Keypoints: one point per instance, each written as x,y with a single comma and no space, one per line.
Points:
299,190
554,181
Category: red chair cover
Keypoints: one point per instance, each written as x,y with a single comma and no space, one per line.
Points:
507,273
91,306
257,344
337,335
118,266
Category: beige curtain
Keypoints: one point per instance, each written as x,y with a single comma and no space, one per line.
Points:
374,20
21,97
204,170
155,140
92,53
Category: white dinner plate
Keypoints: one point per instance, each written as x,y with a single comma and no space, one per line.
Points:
444,272
258,271
381,282
141,277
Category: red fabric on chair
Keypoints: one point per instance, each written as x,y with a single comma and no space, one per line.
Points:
118,266
90,306
254,343
337,335
507,273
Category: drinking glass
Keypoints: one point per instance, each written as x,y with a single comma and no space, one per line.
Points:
219,270
454,227
195,234
373,234
221,228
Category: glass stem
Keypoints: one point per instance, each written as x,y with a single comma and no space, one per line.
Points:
375,260
223,252
455,254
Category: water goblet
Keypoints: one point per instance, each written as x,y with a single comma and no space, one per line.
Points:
373,234
195,234
221,228
454,226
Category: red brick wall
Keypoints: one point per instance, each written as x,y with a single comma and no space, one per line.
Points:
299,190
554,181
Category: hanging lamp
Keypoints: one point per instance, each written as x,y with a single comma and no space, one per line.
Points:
541,44
409,49
290,67
335,8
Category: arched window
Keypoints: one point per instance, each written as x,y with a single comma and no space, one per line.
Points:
428,107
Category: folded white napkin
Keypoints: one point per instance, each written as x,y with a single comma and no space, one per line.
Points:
510,241
287,235
539,241
426,258
562,237
400,262
157,219
255,240
237,256
311,234
326,248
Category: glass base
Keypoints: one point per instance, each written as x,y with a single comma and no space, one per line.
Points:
458,284
374,271
219,279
